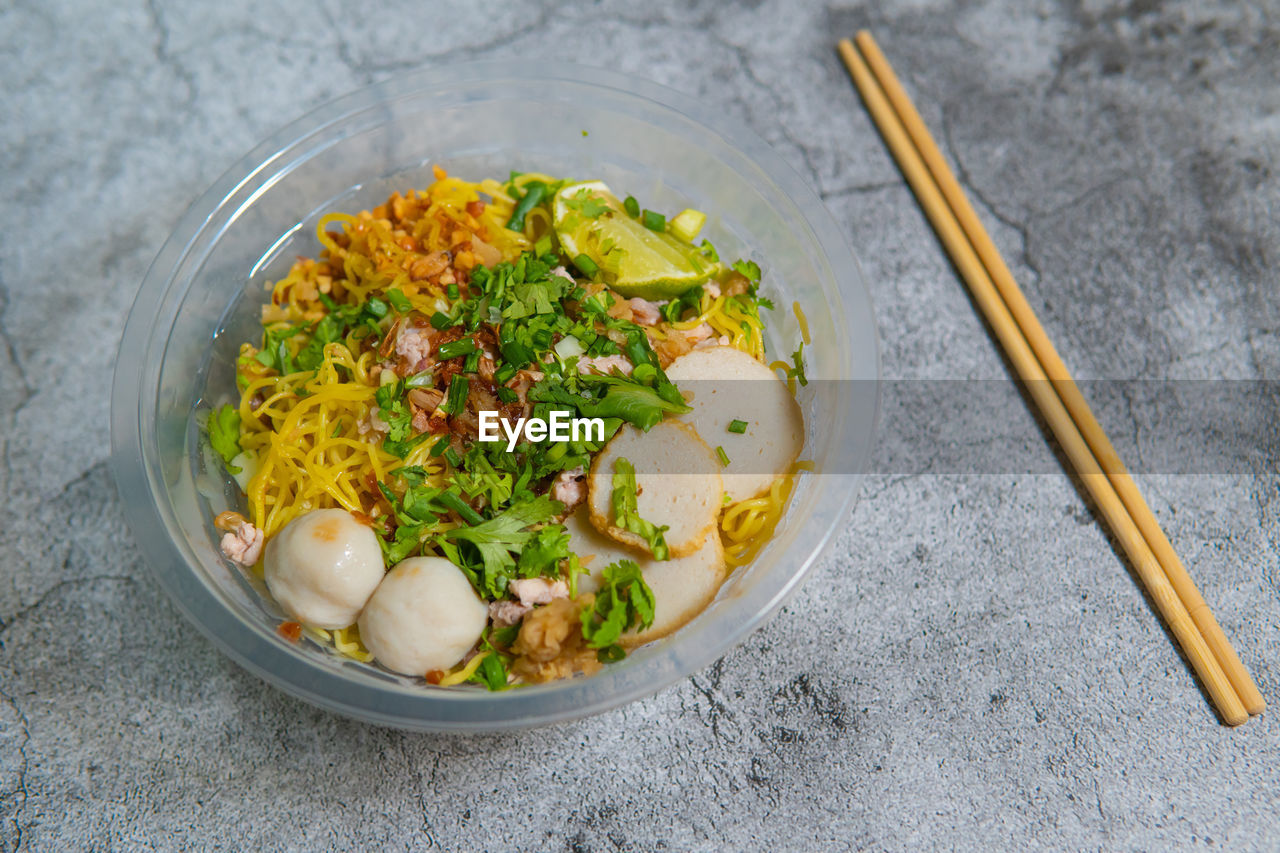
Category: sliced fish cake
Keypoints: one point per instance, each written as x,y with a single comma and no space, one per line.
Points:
682,586
728,385
678,485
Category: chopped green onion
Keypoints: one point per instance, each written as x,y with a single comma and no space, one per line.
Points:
506,395
440,321
568,347
455,502
425,379
451,456
585,264
457,401
535,192
737,426
452,290
453,349
654,221
439,447
399,301
543,246
632,206
724,457
472,363
376,307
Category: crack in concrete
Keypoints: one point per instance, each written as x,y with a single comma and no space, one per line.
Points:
966,180
744,62
166,58
1262,502
861,189
718,709
21,792
12,619
368,71
28,392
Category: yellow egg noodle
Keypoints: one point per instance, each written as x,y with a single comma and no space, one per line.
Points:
305,434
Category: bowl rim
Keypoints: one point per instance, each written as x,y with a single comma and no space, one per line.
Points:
305,679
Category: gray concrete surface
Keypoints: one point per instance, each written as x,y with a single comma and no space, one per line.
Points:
971,667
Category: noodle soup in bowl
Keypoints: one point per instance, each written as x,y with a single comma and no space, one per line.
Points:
203,298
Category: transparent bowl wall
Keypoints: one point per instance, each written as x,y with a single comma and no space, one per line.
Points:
202,296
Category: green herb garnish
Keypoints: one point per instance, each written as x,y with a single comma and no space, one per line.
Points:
487,556
457,401
797,370
749,269
492,672
453,349
398,300
623,600
626,514
394,411
586,204
454,501
737,426
534,193
224,434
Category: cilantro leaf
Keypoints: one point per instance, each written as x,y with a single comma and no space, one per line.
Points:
588,205
275,348
224,434
626,514
406,541
630,401
674,310
394,411
750,269
623,600
542,555
494,541
797,359
327,330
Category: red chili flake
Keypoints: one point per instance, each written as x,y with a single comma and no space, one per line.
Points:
475,208
291,631
434,676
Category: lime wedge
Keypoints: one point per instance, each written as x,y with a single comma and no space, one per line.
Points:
634,261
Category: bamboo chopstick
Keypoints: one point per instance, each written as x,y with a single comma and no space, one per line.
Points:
1057,371
1015,341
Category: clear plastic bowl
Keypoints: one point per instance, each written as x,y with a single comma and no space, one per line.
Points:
202,296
